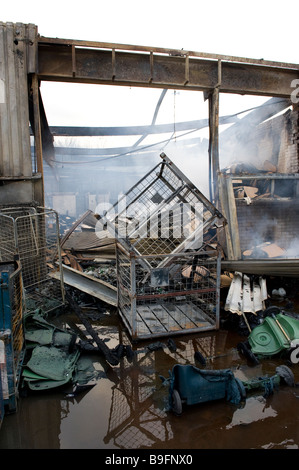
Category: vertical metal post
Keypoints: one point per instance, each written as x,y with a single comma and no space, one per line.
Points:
59,257
38,136
133,294
214,137
214,144
218,270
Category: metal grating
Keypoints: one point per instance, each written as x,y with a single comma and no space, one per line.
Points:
138,412
167,282
182,297
32,234
163,213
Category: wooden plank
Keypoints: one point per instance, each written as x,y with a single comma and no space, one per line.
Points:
196,315
32,48
165,318
142,328
13,136
88,240
179,316
25,164
4,112
225,212
150,319
160,320
15,150
232,211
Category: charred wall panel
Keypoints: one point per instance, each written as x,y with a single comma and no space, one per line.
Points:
274,223
17,58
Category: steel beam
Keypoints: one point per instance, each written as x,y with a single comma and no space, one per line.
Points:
88,62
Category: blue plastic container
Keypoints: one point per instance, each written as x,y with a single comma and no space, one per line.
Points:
191,385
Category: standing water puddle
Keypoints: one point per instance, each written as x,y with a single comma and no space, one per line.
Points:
128,407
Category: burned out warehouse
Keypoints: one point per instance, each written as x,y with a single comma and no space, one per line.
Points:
184,237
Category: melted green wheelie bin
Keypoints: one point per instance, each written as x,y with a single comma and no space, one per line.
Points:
278,333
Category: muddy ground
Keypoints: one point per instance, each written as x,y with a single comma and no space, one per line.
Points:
128,407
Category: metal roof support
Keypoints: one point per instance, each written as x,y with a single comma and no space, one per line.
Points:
119,64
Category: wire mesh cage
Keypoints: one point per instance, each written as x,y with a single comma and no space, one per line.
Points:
178,298
163,213
167,282
33,235
11,330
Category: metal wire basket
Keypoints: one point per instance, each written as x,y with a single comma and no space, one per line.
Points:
33,235
12,340
167,282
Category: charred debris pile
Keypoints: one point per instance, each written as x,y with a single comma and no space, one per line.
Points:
259,275
162,279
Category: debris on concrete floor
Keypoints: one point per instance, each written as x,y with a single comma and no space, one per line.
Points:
57,357
246,294
88,259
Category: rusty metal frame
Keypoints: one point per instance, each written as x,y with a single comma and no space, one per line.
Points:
70,60
159,180
122,64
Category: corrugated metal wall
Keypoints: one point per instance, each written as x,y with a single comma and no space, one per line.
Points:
18,52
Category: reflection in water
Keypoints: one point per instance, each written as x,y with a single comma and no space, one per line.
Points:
128,408
139,406
255,409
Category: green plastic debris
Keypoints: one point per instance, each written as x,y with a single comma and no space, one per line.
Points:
275,334
46,384
40,332
31,376
40,336
53,363
49,367
54,360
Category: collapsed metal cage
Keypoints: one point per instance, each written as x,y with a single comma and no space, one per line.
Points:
162,213
182,297
167,282
32,234
12,338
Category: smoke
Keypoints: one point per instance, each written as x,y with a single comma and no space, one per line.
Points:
292,249
262,238
256,137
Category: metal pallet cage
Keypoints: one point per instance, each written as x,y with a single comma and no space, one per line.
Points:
163,213
12,339
179,298
32,234
167,282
